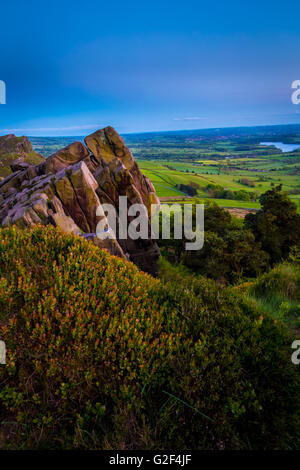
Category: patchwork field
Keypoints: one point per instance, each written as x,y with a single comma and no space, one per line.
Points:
167,178
229,165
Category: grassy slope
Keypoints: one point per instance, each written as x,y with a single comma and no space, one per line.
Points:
100,355
277,293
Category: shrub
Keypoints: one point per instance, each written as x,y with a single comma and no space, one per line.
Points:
246,182
278,293
194,185
283,279
294,255
217,191
100,355
188,189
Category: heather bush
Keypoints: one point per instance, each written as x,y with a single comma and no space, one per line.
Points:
102,356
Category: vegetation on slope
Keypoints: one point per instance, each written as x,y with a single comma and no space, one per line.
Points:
277,292
276,225
235,249
100,355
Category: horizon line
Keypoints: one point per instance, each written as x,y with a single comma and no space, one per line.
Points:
12,131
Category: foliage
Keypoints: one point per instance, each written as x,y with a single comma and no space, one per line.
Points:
277,292
247,182
229,252
277,225
188,189
294,255
100,355
233,251
218,192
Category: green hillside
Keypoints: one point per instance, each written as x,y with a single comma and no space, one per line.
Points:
102,356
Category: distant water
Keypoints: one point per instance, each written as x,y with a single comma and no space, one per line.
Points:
281,146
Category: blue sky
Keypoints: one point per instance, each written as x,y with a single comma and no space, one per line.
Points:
71,67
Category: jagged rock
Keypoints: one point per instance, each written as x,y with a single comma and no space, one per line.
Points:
16,153
70,155
10,143
65,223
19,164
67,188
106,144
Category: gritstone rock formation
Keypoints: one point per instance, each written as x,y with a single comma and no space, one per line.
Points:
13,148
67,188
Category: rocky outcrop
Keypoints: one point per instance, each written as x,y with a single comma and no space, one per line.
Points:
16,153
67,188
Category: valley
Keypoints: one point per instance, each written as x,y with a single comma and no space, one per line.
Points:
232,159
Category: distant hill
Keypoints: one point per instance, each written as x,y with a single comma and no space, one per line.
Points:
282,131
286,133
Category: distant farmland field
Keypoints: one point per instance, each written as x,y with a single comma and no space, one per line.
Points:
223,157
167,181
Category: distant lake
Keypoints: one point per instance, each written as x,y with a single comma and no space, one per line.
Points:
281,146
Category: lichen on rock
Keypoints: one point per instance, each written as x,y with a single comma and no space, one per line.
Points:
66,189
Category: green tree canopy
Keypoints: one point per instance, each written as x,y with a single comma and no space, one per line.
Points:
277,225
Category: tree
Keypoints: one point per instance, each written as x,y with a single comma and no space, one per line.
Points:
233,255
230,251
216,218
243,254
209,261
277,225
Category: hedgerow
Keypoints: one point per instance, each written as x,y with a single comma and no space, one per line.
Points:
103,356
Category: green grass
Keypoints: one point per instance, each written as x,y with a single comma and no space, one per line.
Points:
233,203
277,293
230,203
165,175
